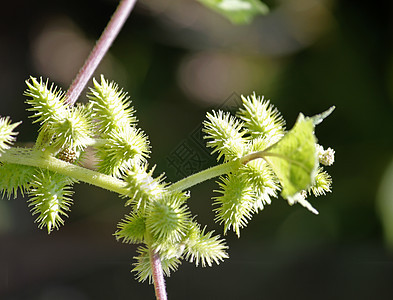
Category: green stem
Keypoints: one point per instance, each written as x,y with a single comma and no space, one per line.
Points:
34,158
31,157
204,175
249,157
264,154
218,170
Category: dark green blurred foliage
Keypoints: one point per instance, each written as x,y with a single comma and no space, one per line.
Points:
177,60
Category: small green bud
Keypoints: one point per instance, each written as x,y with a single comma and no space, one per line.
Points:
262,119
7,134
225,134
236,204
50,198
132,228
74,131
259,176
167,218
111,106
204,248
123,150
47,102
326,157
322,183
143,265
14,177
142,186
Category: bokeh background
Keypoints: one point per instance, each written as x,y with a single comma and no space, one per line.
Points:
178,60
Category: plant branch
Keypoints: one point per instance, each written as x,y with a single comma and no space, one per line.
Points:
158,275
204,175
221,169
263,154
105,41
34,158
249,157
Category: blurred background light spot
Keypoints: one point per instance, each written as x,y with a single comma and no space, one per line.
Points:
209,77
59,49
385,204
291,26
307,19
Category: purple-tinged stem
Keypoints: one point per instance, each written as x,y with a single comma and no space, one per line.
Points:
105,41
158,275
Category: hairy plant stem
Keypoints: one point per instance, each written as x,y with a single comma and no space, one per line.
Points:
39,159
265,154
204,175
105,41
218,170
158,275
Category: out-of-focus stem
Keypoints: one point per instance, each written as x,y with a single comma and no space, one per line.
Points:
105,41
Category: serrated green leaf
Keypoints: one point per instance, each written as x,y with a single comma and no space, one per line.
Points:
237,11
294,158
